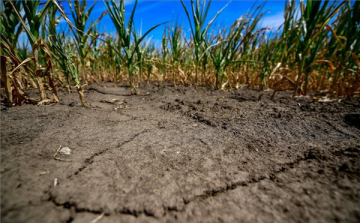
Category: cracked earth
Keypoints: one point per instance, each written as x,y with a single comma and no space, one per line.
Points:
180,155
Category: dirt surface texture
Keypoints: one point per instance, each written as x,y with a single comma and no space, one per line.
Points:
176,154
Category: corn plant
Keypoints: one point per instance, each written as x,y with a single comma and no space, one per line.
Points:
35,19
198,31
344,46
266,54
241,32
113,59
9,23
140,52
94,57
176,46
125,32
314,16
13,80
146,55
150,54
315,49
62,54
81,33
164,52
288,38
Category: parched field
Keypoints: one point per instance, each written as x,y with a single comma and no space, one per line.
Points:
180,155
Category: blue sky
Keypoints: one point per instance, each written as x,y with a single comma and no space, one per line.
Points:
152,12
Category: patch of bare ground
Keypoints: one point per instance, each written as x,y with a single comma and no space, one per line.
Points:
180,155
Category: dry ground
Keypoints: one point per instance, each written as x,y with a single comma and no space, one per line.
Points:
180,155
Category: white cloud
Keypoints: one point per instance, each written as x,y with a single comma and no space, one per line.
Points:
273,21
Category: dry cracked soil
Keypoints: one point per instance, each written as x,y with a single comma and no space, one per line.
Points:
175,154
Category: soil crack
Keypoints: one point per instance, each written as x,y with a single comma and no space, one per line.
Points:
335,128
90,160
196,116
136,213
232,186
74,208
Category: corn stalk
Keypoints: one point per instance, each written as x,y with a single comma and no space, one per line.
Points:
81,34
314,16
198,31
127,36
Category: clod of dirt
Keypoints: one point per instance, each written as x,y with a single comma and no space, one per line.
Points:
65,151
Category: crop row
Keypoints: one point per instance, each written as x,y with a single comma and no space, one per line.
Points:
315,51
